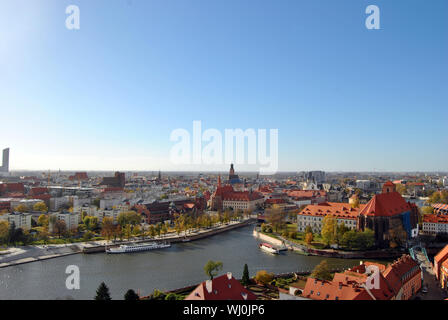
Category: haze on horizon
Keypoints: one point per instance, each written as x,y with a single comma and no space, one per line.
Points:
107,97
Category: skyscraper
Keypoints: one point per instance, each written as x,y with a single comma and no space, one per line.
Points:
5,162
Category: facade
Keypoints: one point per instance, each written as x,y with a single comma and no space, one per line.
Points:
441,267
305,197
71,219
225,287
434,224
20,220
313,215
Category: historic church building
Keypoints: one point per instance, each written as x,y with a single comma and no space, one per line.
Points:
388,213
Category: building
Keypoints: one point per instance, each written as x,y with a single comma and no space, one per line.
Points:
314,176
400,280
313,215
305,197
389,211
233,178
405,276
225,197
434,224
5,161
225,287
441,267
71,219
79,176
20,220
118,180
440,208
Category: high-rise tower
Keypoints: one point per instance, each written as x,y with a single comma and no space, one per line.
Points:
5,161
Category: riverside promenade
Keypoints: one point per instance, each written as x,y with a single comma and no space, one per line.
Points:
27,254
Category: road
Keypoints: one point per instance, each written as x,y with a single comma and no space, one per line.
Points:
429,280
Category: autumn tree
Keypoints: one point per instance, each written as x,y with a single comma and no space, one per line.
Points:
21,208
41,207
43,220
60,228
322,271
263,277
4,230
329,228
309,238
108,228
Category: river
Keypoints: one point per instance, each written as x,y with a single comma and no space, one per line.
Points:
167,269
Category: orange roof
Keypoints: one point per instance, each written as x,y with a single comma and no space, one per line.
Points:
434,218
332,290
338,209
386,204
442,255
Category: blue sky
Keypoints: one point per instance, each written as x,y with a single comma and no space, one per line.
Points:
108,96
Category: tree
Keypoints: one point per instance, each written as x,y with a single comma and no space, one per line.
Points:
427,210
131,296
40,206
322,271
264,277
401,188
245,280
43,220
21,208
309,238
102,293
211,268
108,228
308,229
329,227
60,227
276,218
128,217
4,231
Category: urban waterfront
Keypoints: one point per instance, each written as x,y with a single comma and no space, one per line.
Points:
168,269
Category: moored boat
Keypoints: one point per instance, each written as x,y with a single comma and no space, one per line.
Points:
125,248
268,248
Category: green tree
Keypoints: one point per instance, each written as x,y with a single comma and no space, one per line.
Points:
102,293
129,217
309,238
322,271
212,268
245,280
130,295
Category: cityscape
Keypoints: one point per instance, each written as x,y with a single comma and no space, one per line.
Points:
223,150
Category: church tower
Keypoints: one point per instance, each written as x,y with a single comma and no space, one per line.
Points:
388,187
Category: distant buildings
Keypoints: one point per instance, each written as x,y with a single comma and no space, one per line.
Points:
225,287
20,220
79,176
5,161
118,180
71,220
434,224
317,177
226,197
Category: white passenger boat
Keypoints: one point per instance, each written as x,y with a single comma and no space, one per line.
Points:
127,248
268,248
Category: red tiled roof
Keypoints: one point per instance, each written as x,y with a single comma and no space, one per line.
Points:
386,205
339,209
225,287
435,218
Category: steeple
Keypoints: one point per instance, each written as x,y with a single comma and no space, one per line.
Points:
219,181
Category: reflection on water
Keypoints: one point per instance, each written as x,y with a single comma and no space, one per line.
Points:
167,269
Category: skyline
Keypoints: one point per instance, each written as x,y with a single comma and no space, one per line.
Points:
106,97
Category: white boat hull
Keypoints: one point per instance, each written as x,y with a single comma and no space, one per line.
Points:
137,248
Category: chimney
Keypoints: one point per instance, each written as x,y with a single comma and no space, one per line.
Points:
209,286
229,275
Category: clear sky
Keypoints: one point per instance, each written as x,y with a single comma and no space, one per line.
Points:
108,96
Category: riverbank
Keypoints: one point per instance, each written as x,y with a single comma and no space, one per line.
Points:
29,254
330,253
